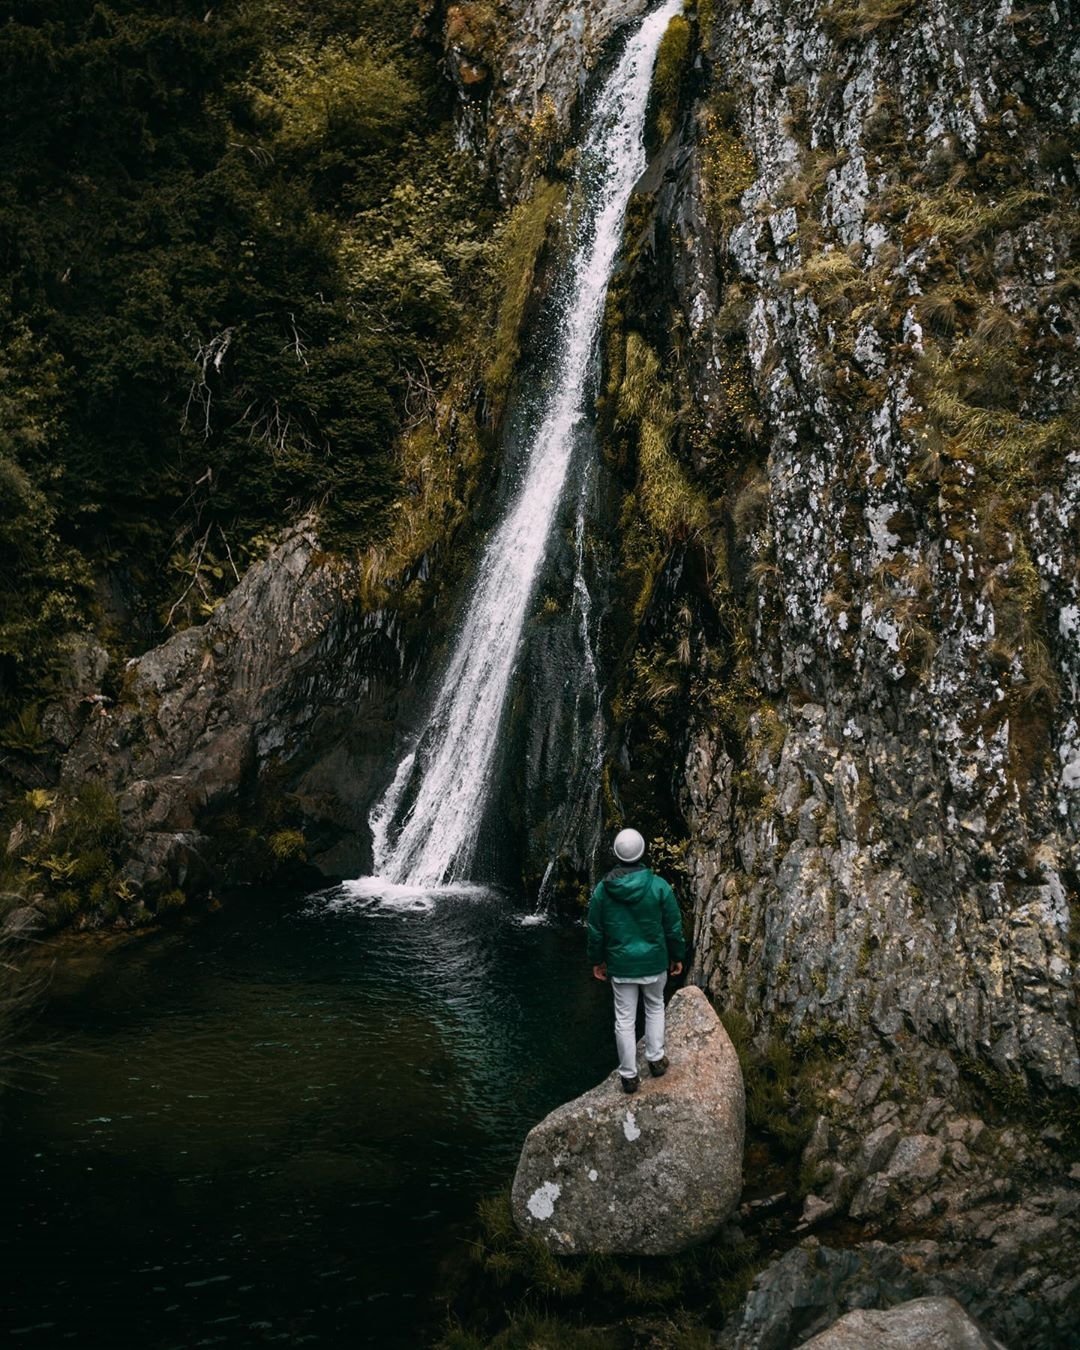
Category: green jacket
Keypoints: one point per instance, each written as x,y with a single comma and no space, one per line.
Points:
634,924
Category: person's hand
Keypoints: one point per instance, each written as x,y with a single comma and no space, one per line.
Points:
675,968
600,971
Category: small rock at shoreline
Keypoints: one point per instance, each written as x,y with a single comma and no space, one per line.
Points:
920,1324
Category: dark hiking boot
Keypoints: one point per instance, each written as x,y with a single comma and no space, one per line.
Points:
630,1084
658,1067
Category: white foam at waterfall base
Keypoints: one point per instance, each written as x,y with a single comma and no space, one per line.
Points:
379,894
446,775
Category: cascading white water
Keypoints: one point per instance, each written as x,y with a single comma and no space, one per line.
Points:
445,777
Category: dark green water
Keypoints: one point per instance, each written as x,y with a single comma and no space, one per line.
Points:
273,1126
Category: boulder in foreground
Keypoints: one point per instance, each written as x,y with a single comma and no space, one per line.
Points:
646,1173
920,1324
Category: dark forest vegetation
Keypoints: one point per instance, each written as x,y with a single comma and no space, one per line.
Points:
234,247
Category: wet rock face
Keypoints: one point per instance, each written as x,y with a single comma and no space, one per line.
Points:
649,1172
539,62
891,846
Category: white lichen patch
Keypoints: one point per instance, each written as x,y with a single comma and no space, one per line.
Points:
541,1204
883,540
630,1127
1069,755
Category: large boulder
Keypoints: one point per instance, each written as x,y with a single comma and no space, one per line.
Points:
921,1324
645,1173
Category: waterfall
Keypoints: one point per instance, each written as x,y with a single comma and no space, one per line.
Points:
443,781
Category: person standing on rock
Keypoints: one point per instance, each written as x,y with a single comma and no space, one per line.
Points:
635,941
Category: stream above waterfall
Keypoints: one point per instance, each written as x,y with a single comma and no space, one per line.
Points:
272,1126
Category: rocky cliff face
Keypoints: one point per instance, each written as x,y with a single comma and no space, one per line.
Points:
273,720
897,842
875,208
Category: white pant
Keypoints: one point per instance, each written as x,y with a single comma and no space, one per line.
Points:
626,1001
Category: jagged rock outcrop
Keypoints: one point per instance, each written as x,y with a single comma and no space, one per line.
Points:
267,688
522,76
921,1324
804,1298
645,1173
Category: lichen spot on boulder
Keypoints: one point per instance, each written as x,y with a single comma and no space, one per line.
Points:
542,1200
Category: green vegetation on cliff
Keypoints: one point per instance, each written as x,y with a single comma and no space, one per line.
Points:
236,246
671,64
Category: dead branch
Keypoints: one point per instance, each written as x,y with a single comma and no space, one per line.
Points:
297,346
228,552
421,400
195,578
209,355
273,428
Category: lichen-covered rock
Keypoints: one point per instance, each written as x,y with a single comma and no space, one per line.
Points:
893,848
894,844
920,1324
645,1173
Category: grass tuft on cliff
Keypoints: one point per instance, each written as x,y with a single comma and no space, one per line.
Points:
517,252
848,19
671,64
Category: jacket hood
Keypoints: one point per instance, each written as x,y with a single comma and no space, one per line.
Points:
628,884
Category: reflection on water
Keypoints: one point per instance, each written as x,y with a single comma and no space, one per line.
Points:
274,1126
